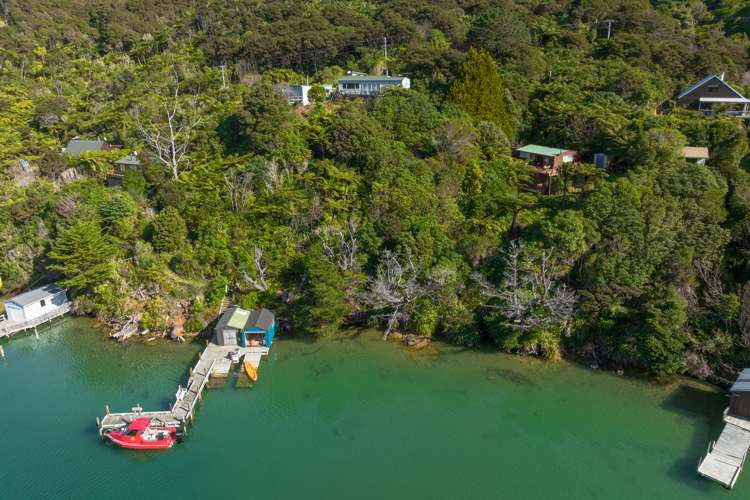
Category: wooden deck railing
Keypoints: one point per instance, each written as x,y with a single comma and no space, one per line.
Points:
8,327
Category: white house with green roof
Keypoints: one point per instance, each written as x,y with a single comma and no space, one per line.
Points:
361,85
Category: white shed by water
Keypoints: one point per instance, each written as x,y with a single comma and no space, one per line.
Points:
36,303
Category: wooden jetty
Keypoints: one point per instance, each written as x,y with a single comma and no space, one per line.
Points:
726,456
214,361
8,328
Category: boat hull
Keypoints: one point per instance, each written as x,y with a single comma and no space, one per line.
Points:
124,442
251,371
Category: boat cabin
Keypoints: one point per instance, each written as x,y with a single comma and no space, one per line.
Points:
246,328
739,404
36,303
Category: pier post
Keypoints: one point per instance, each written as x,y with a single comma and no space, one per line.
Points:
99,426
2,352
36,333
106,409
190,372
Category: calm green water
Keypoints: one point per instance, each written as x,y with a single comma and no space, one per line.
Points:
349,419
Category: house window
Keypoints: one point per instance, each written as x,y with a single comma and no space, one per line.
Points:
42,303
351,86
713,88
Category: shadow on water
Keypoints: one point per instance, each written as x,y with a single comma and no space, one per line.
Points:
704,406
508,375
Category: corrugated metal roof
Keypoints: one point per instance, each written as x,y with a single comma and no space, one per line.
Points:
238,319
695,153
36,294
131,159
371,78
540,150
744,375
260,319
79,146
706,80
740,387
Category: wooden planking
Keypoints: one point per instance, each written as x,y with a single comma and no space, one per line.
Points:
726,457
213,362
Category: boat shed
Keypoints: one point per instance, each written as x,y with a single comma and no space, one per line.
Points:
739,404
237,325
36,303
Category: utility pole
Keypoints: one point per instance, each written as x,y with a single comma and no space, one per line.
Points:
385,53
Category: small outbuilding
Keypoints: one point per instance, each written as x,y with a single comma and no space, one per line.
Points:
299,94
238,326
696,154
36,303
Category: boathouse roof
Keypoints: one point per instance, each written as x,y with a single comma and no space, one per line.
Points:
37,294
260,319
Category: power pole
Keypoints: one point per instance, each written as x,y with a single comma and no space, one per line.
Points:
223,78
385,53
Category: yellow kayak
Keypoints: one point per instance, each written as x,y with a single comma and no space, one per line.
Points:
251,371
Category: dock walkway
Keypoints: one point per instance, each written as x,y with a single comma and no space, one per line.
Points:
726,456
9,328
214,361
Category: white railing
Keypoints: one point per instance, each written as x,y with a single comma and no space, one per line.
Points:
11,327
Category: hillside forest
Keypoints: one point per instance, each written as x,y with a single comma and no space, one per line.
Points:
406,211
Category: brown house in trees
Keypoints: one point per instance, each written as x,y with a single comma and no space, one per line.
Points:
712,92
117,174
547,162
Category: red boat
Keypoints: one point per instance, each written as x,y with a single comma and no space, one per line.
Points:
140,434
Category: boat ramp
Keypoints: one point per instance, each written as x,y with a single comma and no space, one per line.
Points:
726,456
214,362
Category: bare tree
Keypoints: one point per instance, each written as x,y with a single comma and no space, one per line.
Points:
340,246
394,289
259,282
530,295
240,186
710,275
169,137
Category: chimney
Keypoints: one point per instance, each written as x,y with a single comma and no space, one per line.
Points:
722,76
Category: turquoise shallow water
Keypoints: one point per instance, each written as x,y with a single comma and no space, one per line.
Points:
356,418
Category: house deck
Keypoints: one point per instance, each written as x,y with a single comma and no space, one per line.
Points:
213,362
